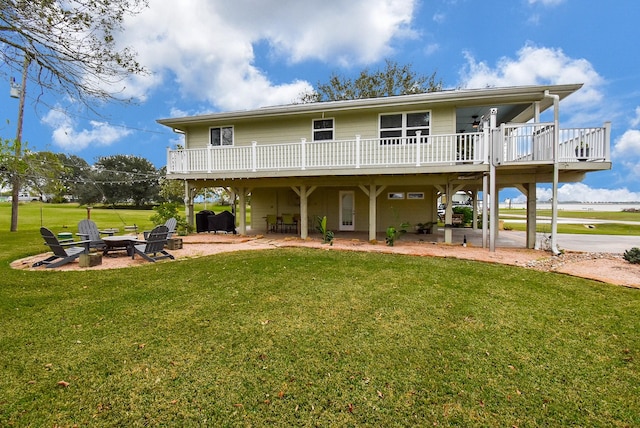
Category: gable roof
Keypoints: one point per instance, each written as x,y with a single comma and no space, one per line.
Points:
513,103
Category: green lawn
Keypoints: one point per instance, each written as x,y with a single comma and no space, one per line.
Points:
612,228
303,337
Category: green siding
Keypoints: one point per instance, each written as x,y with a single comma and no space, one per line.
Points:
325,201
293,129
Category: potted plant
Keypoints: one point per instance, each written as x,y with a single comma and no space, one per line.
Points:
424,228
582,151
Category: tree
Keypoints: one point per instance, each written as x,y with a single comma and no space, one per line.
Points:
392,80
75,177
42,173
38,171
67,47
70,46
170,190
127,178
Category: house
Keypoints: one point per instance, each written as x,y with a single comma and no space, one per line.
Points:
368,164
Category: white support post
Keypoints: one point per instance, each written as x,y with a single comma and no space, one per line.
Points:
189,194
485,210
303,153
531,215
242,194
209,158
304,194
496,145
448,215
373,212
357,151
607,141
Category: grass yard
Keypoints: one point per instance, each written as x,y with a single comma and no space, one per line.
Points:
596,229
302,337
612,228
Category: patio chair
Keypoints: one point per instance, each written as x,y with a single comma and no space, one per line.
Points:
61,255
171,226
272,223
152,249
88,231
288,223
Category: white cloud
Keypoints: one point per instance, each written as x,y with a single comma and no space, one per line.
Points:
68,138
635,121
439,18
547,2
430,49
537,66
627,146
580,192
208,47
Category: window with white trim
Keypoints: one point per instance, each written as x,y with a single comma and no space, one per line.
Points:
322,129
394,127
221,136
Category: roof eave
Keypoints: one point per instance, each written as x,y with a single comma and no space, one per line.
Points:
458,96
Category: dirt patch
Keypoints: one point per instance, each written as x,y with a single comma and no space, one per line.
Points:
605,267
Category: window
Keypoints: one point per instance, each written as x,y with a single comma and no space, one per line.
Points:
222,136
322,129
395,126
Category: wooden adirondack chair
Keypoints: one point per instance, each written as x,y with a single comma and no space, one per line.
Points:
61,255
88,230
171,226
152,249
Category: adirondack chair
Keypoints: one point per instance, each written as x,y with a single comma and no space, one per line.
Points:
152,249
88,230
171,226
61,255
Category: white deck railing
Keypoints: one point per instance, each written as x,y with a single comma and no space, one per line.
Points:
534,143
520,143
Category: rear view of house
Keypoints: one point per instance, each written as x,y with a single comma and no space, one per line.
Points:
370,163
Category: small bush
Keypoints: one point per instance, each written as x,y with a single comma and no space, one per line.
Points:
466,211
632,255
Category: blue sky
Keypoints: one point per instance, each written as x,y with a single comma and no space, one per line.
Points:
209,56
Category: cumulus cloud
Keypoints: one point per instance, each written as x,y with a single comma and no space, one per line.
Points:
70,139
628,145
536,66
635,121
207,48
546,2
533,65
580,192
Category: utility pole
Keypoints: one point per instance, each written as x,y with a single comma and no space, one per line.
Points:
16,181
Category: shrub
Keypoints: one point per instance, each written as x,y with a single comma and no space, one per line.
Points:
327,235
466,211
393,233
632,255
165,211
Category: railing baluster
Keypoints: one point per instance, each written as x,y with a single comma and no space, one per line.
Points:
521,143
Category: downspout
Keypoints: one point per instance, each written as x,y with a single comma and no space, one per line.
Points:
554,192
493,186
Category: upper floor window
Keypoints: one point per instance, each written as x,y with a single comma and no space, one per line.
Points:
221,136
394,127
322,129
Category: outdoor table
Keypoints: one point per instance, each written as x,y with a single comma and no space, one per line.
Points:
109,232
117,243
